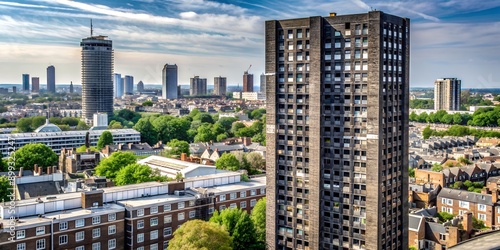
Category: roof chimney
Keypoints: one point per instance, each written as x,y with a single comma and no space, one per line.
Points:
333,13
183,157
21,172
49,170
494,196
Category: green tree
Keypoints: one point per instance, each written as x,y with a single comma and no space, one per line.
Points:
70,121
136,173
458,185
464,161
239,224
194,113
427,132
413,116
205,133
457,119
147,103
226,123
177,147
236,126
64,127
227,161
200,235
259,220
4,167
444,216
106,138
478,224
37,121
257,114
115,125
411,172
55,120
82,126
148,133
413,248
110,166
437,167
83,149
203,118
5,188
34,153
24,125
255,162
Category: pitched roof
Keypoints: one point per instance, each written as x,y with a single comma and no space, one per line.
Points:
463,195
414,222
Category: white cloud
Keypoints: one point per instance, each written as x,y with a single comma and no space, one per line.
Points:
188,15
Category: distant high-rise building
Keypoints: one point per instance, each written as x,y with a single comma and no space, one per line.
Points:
71,88
118,82
140,86
220,85
14,89
169,82
337,132
51,79
129,85
26,82
247,82
198,86
447,94
263,83
97,76
35,84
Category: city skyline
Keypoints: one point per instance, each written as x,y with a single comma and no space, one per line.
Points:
193,34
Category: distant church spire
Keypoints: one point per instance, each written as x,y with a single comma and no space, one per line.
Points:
91,29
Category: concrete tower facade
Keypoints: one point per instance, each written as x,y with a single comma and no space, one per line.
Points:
26,82
447,94
220,85
118,82
337,132
169,82
51,79
140,86
198,86
35,84
247,82
97,76
129,85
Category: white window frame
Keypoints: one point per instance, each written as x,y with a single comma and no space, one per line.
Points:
191,203
167,218
111,229
96,220
79,223
20,234
40,230
262,191
153,235
481,207
233,205
21,246
243,204
112,244
222,207
153,221
243,194
167,231
80,248
463,204
153,246
253,192
63,225
479,215
140,224
180,216
112,217
192,214
167,207
140,212
79,236
63,239
232,196
153,210
181,205
140,237
96,246
96,233
40,244
222,197
253,202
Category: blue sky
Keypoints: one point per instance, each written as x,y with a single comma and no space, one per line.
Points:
452,38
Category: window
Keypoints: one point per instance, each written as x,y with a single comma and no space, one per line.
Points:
253,192
63,225
481,207
448,202
96,220
181,205
243,204
40,244
463,204
111,217
253,202
232,196
165,244
167,231
233,205
96,232
40,230
96,246
191,203
262,191
79,223
140,224
153,246
63,239
153,210
167,207
140,212
140,248
210,210
180,216
80,248
21,234
112,244
167,219
80,236
481,217
140,237
153,235
222,207
222,197
243,194
153,221
111,229
21,246
192,214
442,236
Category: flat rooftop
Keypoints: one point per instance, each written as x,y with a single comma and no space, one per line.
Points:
487,242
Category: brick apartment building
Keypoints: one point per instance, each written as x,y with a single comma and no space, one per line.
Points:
140,216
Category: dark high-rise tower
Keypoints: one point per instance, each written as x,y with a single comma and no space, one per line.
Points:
129,85
169,82
26,82
247,82
220,85
337,132
51,79
140,86
71,88
198,86
97,76
35,84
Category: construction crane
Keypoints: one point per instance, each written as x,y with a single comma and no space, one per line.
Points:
246,71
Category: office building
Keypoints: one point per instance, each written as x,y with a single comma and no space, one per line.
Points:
169,82
35,84
128,85
71,88
198,86
97,76
220,85
118,82
337,132
140,87
247,82
26,82
51,79
263,84
447,94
